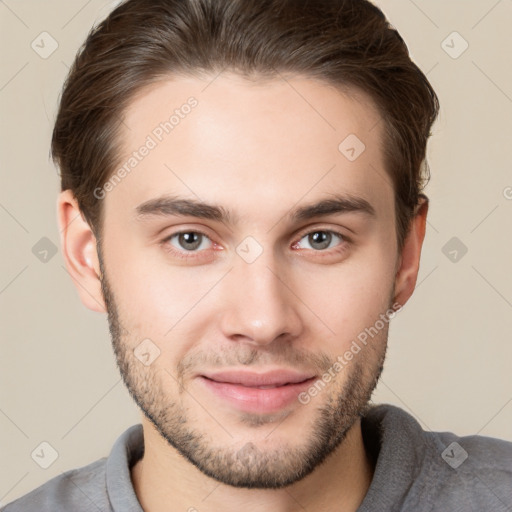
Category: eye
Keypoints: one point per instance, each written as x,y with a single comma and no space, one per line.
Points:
321,239
189,241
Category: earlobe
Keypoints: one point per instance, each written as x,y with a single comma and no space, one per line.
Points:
409,260
79,249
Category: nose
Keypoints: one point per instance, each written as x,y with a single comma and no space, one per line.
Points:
261,304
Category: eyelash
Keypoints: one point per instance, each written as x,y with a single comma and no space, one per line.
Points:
190,255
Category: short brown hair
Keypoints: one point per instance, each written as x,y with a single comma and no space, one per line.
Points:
347,43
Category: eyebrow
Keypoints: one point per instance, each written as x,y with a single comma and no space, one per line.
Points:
175,206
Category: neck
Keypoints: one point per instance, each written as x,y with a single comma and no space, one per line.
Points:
164,477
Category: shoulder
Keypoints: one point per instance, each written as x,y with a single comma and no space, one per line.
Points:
81,490
476,470
101,485
438,470
449,448
486,453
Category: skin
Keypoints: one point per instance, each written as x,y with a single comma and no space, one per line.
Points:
260,150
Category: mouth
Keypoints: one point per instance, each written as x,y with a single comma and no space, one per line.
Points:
260,393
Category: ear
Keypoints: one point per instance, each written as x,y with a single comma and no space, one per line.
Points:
409,261
79,249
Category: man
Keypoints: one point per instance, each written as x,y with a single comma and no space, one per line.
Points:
241,193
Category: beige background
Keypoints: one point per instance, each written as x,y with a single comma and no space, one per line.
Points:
450,353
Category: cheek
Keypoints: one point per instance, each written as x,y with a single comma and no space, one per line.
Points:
156,300
350,297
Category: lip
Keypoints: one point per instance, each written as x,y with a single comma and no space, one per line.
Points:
262,393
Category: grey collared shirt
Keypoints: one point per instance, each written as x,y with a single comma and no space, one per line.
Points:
416,471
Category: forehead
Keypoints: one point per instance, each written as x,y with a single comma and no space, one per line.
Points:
226,139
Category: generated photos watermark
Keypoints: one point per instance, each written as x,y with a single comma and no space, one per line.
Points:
343,360
153,139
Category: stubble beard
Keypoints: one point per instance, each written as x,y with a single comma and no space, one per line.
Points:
248,466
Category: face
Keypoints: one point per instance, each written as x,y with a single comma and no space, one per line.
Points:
243,254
